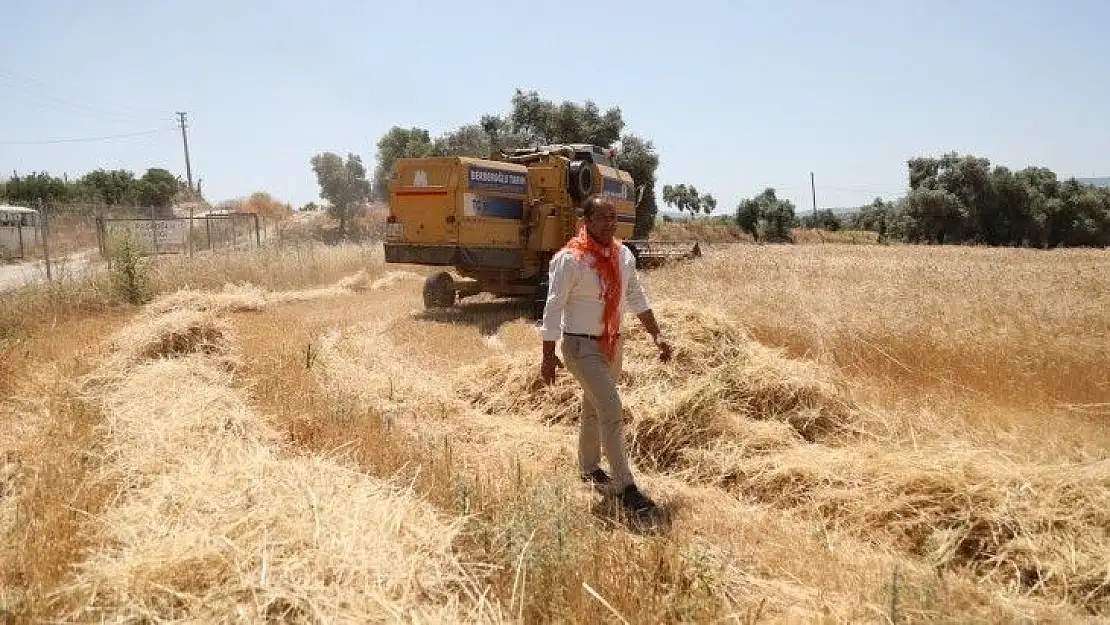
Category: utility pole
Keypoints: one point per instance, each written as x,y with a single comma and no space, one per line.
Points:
188,175
185,142
346,204
813,189
44,230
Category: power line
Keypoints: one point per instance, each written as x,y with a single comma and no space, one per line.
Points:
50,103
90,139
49,93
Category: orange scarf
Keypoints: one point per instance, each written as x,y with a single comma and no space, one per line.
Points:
607,264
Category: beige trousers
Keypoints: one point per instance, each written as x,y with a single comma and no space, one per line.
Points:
601,425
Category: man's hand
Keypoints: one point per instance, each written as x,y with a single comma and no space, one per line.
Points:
647,318
551,362
665,349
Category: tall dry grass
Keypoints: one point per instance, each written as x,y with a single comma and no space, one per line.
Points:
1025,328
73,294
46,493
703,231
817,236
725,416
711,232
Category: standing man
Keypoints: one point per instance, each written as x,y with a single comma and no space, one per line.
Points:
592,283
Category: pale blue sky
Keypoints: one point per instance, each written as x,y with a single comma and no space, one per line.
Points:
736,95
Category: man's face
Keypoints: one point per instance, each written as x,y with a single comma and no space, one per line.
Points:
602,224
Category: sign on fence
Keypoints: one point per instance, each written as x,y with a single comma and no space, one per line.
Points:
159,234
175,236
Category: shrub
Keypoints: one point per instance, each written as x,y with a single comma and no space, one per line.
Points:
127,266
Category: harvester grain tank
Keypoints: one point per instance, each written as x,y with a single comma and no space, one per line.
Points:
497,221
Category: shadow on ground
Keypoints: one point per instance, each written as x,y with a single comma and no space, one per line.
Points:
654,522
488,317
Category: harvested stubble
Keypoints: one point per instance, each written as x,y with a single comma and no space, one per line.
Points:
358,366
245,296
215,521
364,373
187,321
1043,529
721,386
180,332
731,412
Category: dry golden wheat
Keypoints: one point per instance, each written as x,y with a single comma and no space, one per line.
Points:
213,518
848,433
1038,527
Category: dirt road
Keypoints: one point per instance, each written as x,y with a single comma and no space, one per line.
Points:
19,275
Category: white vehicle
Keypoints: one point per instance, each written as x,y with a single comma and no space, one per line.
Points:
18,216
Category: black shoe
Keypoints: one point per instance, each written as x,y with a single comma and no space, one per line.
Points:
634,500
597,476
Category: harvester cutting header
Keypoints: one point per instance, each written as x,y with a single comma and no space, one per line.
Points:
498,221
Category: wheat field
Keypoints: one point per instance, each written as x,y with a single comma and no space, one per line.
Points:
847,433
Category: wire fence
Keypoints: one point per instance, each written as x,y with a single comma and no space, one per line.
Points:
183,235
53,234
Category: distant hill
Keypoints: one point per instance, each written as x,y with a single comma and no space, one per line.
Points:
1103,182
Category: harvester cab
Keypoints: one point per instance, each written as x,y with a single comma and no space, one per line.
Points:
497,221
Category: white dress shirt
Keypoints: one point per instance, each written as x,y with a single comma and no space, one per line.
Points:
574,301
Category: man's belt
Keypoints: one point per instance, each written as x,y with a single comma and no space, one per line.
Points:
587,336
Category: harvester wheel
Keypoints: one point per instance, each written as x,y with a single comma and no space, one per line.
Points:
439,291
581,180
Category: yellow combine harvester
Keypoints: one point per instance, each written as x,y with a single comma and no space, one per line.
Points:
498,221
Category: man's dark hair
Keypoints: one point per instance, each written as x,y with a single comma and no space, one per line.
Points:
592,203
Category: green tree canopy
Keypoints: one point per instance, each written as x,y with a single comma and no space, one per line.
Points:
35,187
959,198
685,197
157,188
395,144
468,140
542,121
824,219
116,186
343,184
638,157
767,213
